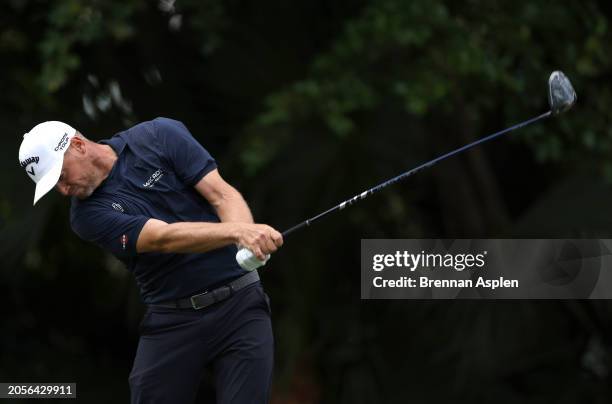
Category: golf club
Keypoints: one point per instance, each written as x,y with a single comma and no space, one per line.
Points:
561,97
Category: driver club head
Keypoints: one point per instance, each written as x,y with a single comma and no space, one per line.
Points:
561,94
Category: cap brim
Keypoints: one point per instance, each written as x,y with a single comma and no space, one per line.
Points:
47,182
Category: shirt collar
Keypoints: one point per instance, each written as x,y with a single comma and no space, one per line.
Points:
117,143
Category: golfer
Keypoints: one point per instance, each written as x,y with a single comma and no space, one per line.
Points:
153,197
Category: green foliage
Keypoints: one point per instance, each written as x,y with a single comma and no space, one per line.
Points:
443,60
72,23
209,21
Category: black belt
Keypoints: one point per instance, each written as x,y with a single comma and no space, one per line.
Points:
210,297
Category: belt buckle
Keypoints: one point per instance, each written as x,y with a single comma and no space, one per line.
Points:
194,305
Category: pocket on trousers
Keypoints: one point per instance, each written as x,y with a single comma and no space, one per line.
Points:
266,298
142,327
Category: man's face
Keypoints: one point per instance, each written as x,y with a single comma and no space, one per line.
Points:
77,177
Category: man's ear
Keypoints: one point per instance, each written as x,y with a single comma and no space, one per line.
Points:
78,145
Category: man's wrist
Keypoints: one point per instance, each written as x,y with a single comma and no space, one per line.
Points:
234,233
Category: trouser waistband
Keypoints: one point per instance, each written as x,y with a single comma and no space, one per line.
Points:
211,297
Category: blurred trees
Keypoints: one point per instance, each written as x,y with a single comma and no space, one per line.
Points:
303,105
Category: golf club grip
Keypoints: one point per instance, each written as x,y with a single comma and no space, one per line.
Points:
296,227
249,262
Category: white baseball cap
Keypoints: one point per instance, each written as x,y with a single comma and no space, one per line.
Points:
42,154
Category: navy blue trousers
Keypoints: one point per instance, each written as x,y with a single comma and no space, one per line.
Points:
230,340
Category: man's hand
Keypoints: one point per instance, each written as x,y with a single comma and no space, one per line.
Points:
261,239
232,209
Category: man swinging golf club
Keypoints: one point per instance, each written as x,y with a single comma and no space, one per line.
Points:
153,197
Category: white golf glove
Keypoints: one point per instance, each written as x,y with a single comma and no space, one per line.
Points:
248,261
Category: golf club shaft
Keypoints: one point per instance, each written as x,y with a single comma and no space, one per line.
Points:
407,174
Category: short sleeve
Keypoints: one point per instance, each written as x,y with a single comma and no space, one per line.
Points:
112,230
190,161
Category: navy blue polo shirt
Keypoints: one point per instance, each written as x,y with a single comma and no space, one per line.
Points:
158,164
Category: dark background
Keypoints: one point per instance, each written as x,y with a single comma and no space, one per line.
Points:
304,104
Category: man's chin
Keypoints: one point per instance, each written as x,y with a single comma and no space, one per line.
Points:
84,195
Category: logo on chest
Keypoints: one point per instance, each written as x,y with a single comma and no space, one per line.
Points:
156,176
117,207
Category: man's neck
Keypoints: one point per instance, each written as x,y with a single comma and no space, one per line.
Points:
105,160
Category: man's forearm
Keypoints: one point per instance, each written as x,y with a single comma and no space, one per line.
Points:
233,211
186,237
233,208
228,203
201,237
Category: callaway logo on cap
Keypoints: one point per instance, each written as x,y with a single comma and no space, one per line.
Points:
42,154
